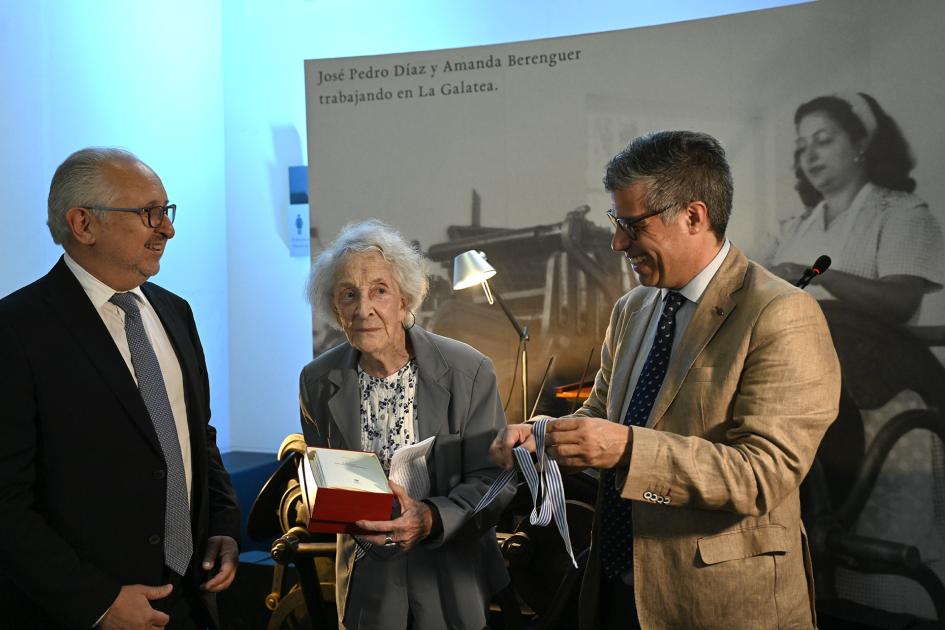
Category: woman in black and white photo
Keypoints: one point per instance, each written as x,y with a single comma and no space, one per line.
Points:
852,166
853,175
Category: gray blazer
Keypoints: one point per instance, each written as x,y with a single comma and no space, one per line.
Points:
457,402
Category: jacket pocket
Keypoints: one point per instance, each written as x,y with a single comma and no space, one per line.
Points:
745,543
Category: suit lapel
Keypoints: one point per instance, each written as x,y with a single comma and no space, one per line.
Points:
715,306
346,400
636,326
433,395
73,307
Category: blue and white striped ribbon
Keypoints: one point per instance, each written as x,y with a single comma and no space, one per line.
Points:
544,483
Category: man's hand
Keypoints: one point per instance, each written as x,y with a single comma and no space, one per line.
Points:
412,526
132,610
225,550
508,438
588,442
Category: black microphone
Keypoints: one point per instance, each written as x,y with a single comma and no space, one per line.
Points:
820,265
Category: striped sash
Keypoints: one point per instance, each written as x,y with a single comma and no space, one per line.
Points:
544,483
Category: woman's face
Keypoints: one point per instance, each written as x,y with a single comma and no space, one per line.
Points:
826,154
369,305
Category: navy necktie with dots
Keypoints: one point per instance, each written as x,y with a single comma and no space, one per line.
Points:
178,537
616,532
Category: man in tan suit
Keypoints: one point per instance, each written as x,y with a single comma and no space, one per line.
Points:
717,383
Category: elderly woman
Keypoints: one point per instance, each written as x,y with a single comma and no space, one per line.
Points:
394,384
852,166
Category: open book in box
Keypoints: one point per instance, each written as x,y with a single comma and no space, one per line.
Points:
340,487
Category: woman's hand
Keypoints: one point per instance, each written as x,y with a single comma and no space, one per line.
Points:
412,526
509,437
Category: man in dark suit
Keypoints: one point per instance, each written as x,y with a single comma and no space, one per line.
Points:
115,508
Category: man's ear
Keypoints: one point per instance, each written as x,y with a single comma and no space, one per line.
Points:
80,222
697,217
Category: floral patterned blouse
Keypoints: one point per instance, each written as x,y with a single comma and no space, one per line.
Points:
388,411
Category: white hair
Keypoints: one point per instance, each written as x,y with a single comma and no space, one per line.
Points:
410,268
79,182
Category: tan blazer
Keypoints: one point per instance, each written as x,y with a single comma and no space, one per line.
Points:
457,401
751,388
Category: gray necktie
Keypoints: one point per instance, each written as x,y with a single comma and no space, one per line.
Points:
178,538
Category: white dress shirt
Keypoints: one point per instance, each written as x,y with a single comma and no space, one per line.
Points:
114,319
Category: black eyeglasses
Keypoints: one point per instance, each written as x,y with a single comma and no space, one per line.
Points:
155,214
631,226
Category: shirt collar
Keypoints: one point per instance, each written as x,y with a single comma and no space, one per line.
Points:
697,286
98,291
817,218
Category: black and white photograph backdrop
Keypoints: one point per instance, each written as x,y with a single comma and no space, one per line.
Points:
501,149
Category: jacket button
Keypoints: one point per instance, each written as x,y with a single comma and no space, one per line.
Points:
648,495
159,474
154,539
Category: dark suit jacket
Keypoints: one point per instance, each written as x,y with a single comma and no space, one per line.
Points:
82,478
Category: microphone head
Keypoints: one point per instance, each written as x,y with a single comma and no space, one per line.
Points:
821,264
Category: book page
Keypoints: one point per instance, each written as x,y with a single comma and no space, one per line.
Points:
307,483
408,468
350,470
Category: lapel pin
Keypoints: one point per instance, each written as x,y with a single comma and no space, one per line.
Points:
719,311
